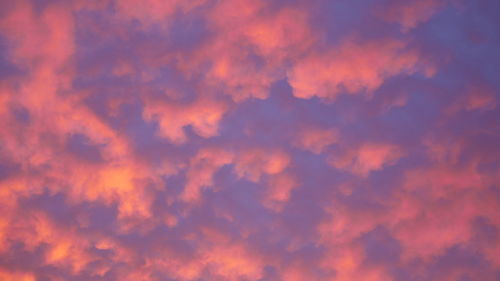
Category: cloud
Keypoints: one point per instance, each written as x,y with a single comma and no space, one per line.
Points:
279,191
202,169
203,115
316,139
11,276
366,158
153,11
410,13
253,163
353,67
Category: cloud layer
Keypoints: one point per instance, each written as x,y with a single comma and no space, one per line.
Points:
249,140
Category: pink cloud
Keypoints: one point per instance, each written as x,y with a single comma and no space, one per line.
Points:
351,68
201,171
477,96
279,191
411,13
154,11
316,139
203,115
253,163
366,158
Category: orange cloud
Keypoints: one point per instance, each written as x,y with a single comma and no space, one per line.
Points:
16,276
61,245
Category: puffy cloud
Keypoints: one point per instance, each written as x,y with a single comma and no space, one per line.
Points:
250,46
366,158
279,190
203,115
316,139
352,67
234,262
202,169
254,163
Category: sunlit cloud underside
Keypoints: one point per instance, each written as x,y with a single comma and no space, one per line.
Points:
250,140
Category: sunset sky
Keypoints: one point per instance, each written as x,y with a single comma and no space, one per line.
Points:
249,140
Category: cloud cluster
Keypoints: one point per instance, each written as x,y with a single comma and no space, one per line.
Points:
249,140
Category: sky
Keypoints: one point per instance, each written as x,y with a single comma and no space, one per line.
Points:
249,140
